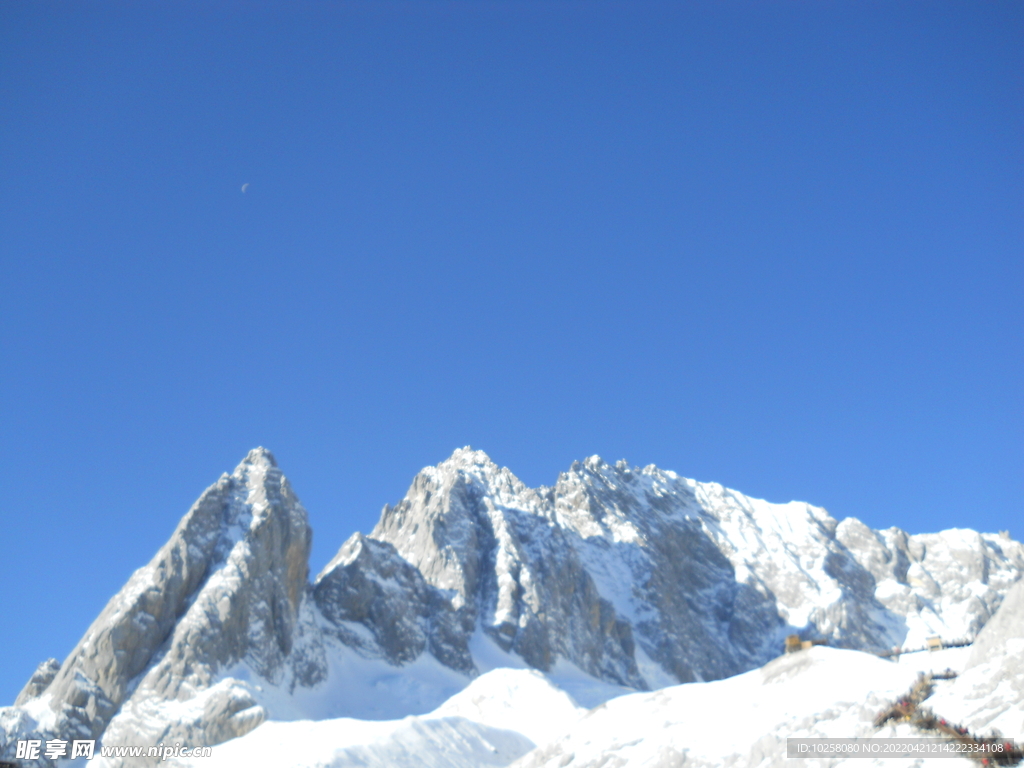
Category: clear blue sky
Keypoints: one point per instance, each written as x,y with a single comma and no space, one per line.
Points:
773,245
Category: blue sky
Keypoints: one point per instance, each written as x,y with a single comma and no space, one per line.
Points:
773,245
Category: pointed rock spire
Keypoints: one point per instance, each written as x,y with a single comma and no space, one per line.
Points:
227,586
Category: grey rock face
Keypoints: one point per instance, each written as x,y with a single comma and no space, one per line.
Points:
368,583
476,531
258,539
932,574
39,682
691,615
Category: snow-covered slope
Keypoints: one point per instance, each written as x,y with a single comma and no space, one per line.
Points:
499,717
741,721
451,742
990,692
819,693
519,700
616,578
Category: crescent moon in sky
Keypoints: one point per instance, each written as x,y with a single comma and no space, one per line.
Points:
244,187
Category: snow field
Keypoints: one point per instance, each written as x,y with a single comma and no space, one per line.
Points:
497,718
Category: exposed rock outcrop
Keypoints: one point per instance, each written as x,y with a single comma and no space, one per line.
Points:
39,682
369,584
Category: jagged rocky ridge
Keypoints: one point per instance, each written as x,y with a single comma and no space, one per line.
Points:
637,577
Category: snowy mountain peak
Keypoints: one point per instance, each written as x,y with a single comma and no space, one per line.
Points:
468,458
475,469
258,458
227,587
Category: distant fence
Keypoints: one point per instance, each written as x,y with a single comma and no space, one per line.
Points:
942,644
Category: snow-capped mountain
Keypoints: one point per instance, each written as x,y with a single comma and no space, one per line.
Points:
616,578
